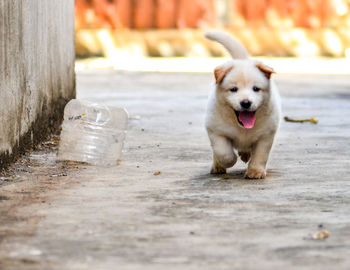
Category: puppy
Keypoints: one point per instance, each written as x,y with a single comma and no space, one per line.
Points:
243,113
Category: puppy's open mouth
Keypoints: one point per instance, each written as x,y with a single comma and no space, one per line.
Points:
246,118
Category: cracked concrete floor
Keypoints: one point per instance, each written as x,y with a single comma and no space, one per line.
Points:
67,216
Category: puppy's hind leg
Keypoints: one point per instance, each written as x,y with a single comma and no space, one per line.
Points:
223,154
245,156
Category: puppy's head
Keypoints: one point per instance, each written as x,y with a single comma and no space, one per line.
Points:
244,85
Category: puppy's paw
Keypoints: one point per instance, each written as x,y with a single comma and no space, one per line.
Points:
225,161
255,173
245,156
217,170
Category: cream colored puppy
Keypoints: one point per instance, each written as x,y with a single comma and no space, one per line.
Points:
243,111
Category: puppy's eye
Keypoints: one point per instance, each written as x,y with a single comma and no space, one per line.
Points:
256,89
234,89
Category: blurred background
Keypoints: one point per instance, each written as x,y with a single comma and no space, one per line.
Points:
174,28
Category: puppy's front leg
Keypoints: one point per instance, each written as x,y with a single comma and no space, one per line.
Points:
260,155
223,154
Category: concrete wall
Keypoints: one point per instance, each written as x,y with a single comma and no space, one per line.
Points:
36,71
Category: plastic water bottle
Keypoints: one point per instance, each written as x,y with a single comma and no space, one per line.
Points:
92,133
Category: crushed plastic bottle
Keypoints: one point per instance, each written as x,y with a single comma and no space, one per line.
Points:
92,133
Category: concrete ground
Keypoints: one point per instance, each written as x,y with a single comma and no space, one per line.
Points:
59,215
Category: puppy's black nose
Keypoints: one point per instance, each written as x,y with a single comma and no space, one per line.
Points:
246,104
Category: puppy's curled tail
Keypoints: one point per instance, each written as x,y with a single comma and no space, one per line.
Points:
235,48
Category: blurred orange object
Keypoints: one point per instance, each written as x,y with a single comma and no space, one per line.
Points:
143,14
104,10
255,11
81,9
166,14
195,14
123,12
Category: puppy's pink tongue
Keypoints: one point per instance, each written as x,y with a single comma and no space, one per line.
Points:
247,119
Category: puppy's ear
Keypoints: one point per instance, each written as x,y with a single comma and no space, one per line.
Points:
220,73
265,69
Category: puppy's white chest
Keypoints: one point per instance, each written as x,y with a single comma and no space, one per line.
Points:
242,140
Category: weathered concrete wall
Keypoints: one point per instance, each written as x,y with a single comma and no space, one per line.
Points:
36,71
